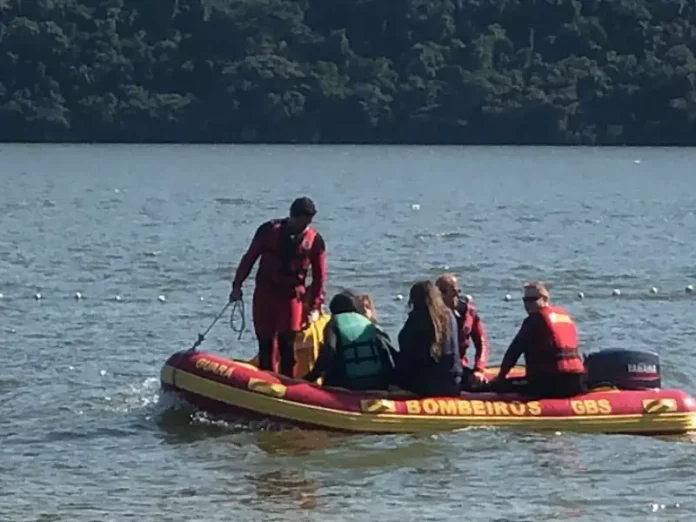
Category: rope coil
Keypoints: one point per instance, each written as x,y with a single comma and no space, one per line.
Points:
238,306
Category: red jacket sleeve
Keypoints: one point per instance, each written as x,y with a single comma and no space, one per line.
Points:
319,273
251,255
517,347
480,338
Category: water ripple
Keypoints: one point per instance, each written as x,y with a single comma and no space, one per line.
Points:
88,435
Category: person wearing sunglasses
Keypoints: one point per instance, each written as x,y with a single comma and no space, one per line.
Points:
548,338
470,328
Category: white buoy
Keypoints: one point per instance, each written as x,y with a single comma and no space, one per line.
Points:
102,372
161,299
616,292
581,295
508,297
37,296
202,298
468,298
1,296
689,289
71,367
637,162
653,290
117,298
446,267
415,206
398,297
78,296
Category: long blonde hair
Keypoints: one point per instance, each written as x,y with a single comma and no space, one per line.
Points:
368,307
426,297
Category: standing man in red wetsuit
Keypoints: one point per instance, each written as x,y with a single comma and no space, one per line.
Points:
282,302
548,338
471,328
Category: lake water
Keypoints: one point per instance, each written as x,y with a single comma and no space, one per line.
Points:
85,434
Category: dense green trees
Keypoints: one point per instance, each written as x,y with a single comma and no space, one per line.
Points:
360,71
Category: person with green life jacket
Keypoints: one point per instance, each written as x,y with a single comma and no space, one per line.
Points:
356,353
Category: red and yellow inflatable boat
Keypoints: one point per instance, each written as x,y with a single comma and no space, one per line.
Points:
222,385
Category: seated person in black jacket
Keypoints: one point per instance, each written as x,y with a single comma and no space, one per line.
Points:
428,361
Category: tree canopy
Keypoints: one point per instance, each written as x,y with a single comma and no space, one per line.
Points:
349,71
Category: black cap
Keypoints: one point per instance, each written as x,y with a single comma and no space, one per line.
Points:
303,207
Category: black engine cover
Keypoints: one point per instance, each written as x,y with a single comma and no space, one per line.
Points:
625,369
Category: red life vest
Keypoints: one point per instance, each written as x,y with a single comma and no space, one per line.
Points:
285,261
559,353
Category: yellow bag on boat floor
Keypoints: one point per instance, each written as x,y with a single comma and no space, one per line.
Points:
307,344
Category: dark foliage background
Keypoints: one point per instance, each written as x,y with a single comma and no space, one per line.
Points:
359,71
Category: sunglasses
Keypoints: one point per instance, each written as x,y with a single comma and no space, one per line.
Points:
529,299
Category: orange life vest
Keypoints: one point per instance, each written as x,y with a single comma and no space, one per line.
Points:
561,353
285,265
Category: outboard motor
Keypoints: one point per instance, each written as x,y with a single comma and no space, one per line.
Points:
624,369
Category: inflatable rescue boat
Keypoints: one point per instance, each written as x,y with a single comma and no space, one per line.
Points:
625,397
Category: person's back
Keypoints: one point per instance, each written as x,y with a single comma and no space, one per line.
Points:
356,354
429,362
554,364
360,362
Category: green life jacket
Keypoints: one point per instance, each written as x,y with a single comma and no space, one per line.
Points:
357,344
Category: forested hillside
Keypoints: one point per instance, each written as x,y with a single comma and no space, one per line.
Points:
358,71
